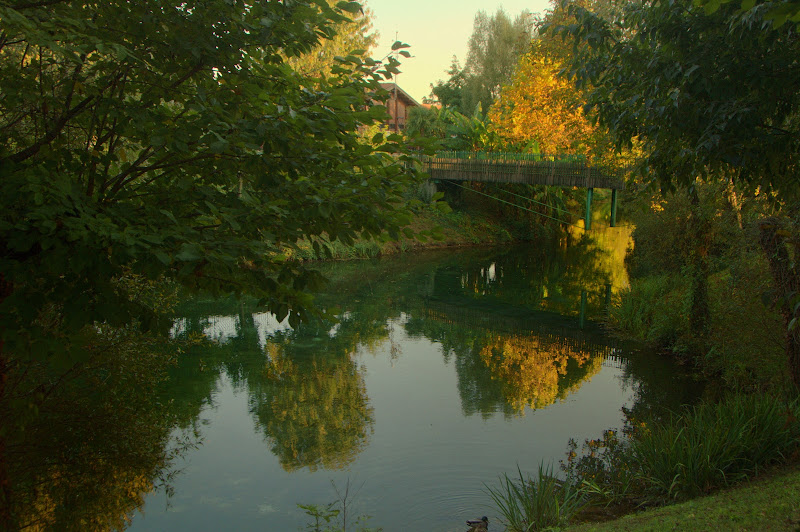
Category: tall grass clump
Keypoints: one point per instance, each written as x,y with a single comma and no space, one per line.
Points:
715,445
536,504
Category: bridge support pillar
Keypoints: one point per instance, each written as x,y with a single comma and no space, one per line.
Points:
582,315
589,194
613,207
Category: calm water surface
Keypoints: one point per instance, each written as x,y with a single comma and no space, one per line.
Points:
445,370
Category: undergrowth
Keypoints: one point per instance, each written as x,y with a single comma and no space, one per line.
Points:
657,461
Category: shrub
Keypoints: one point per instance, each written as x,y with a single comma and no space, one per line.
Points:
685,454
652,310
746,336
715,445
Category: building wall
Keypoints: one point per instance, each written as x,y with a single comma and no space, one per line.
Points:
398,109
398,105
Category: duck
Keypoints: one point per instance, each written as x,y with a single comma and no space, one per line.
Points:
477,525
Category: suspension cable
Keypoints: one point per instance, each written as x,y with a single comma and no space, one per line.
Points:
515,205
534,201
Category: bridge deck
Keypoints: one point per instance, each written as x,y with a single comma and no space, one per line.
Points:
499,168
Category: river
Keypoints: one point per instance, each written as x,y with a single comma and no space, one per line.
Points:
444,370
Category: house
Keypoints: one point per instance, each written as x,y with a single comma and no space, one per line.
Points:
398,105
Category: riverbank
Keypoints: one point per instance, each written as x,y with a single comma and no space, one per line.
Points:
452,229
768,502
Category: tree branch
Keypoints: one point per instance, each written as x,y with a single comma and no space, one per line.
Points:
33,5
33,149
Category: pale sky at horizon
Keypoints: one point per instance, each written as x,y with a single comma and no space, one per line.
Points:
436,30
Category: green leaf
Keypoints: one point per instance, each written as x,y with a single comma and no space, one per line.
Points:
189,252
349,7
163,257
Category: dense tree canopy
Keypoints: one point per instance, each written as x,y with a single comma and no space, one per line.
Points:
176,140
706,94
711,93
450,93
539,110
351,35
779,13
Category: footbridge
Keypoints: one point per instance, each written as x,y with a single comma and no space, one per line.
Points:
533,169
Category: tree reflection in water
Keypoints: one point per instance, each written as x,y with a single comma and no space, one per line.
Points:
534,372
86,443
507,320
313,411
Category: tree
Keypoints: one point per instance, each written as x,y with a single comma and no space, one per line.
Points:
451,130
540,109
352,35
711,96
495,46
175,141
180,145
779,13
494,49
450,93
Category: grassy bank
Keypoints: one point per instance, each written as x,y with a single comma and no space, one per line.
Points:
769,502
658,461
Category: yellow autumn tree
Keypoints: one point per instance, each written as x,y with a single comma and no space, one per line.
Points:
541,109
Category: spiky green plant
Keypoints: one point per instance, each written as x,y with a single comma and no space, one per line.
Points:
536,504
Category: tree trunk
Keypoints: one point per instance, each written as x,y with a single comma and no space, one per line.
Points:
699,234
774,238
5,482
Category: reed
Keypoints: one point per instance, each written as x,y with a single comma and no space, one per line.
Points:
536,504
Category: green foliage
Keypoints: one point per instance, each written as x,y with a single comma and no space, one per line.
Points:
536,504
450,93
744,334
713,446
764,504
452,130
352,36
178,143
652,310
322,516
602,469
779,13
665,241
711,94
706,94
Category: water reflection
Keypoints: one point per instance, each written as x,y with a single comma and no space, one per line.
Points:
516,328
314,411
86,444
519,325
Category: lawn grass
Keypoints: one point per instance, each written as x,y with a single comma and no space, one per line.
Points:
770,502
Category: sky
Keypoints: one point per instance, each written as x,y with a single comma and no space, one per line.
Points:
436,30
